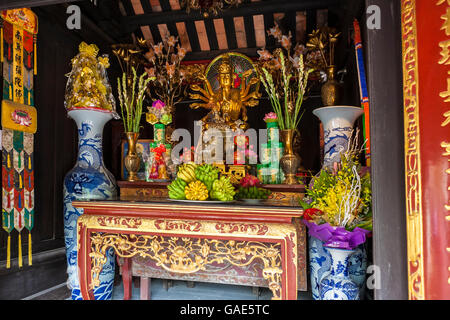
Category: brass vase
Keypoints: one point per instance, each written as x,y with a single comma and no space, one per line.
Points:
132,160
290,161
332,90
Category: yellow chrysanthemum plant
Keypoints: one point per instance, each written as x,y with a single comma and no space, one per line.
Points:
338,202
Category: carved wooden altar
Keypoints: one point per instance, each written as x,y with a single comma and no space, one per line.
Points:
184,239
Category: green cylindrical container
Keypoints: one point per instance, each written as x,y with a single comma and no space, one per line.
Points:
159,133
265,153
273,133
276,154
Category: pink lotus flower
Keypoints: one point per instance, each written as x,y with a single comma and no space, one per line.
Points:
270,117
158,104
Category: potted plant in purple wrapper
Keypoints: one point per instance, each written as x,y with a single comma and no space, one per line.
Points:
338,212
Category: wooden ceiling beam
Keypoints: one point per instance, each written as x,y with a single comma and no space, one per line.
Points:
209,55
130,23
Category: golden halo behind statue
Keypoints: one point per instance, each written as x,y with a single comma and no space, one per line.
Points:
240,63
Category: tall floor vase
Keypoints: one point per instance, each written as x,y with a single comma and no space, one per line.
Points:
337,284
88,180
320,266
338,124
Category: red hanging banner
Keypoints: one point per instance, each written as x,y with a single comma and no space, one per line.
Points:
426,81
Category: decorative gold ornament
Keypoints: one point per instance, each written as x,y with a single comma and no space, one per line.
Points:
324,41
229,102
188,255
209,7
413,189
87,86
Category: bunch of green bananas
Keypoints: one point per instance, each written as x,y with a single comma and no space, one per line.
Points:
207,173
186,172
176,189
252,193
222,189
196,191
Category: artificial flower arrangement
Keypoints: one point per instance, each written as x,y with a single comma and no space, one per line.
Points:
285,77
158,113
164,60
338,203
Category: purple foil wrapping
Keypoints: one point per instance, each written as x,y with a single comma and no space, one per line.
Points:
337,237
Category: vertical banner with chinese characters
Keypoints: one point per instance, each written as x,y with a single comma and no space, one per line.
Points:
19,122
426,92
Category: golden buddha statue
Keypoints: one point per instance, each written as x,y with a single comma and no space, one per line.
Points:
228,105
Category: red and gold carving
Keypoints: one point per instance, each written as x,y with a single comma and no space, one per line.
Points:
426,78
132,223
259,229
193,226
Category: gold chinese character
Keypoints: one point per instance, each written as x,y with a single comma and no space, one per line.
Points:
439,2
446,146
445,52
447,119
446,25
446,94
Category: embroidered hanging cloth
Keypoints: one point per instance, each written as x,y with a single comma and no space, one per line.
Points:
18,32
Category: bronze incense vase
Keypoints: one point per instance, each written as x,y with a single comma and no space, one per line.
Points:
290,161
132,160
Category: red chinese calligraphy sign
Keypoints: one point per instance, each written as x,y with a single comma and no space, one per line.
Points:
426,81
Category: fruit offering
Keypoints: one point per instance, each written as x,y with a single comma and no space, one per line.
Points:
250,181
207,174
253,192
186,172
196,190
176,189
222,189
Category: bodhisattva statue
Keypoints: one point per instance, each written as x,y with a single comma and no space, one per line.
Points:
228,105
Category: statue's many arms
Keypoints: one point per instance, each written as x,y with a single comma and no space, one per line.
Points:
227,104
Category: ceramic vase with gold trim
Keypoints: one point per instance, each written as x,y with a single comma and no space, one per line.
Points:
290,161
132,161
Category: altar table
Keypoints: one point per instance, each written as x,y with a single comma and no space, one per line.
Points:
185,238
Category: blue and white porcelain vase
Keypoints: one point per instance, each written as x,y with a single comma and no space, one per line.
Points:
320,265
338,124
88,180
338,285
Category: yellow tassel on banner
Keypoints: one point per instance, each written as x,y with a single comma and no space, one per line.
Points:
30,253
35,58
19,258
8,252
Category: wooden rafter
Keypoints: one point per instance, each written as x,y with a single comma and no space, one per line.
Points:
130,23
